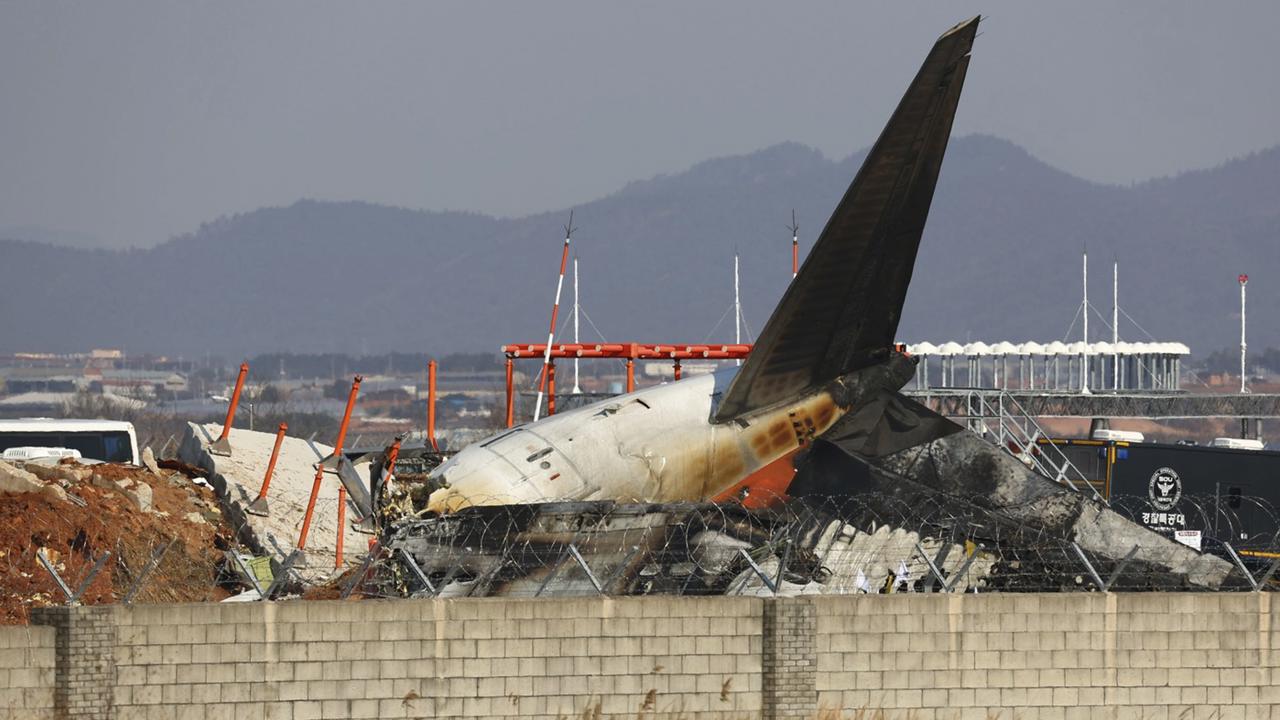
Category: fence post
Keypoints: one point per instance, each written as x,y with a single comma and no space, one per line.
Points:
222,446
586,568
1115,574
768,582
48,566
431,405
311,506
1097,579
147,570
933,568
247,573
282,576
416,571
1240,564
335,458
375,550
340,541
1266,577
962,570
259,506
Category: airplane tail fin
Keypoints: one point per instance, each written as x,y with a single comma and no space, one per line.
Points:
842,310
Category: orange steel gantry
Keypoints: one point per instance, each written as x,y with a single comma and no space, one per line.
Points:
619,351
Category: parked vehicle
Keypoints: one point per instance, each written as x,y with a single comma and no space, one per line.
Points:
1202,495
105,440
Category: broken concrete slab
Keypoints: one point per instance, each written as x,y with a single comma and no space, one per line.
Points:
237,479
54,491
59,472
138,493
15,480
149,461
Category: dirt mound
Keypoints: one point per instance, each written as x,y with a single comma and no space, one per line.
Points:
74,537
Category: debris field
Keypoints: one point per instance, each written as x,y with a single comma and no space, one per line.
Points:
74,513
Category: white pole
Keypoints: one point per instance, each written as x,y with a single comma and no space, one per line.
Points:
795,245
1244,346
1115,325
737,308
1084,356
576,388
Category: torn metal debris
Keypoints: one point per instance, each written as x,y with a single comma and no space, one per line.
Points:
871,543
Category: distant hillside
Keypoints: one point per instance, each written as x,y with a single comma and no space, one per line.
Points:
1001,259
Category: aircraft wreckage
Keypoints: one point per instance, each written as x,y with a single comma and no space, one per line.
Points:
804,470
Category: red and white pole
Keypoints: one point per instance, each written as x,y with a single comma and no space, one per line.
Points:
555,312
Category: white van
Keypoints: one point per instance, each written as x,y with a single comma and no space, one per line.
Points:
106,440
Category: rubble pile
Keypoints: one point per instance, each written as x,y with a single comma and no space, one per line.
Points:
74,513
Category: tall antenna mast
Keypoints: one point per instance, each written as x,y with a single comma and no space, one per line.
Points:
737,307
1244,346
1084,356
1115,325
795,245
555,311
576,388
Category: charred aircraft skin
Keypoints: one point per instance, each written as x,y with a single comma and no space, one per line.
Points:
824,372
969,471
654,445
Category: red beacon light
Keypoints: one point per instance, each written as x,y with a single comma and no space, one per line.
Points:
1243,279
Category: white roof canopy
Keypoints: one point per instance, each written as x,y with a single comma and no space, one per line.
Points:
1056,347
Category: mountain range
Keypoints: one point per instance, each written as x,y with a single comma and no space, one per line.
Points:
1000,260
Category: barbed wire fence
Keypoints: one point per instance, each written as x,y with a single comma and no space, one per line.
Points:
828,545
871,543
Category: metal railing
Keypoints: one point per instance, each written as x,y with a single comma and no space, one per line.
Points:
998,416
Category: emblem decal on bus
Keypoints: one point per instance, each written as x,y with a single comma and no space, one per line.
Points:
1165,488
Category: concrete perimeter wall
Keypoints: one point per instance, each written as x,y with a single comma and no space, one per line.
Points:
26,672
418,659
1079,655
889,656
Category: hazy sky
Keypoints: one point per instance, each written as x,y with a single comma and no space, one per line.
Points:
134,121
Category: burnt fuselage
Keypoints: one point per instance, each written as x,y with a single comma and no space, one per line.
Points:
658,444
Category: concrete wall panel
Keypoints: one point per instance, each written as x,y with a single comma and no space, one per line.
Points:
26,672
891,656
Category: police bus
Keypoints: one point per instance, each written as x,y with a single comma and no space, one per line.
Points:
105,440
1201,495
